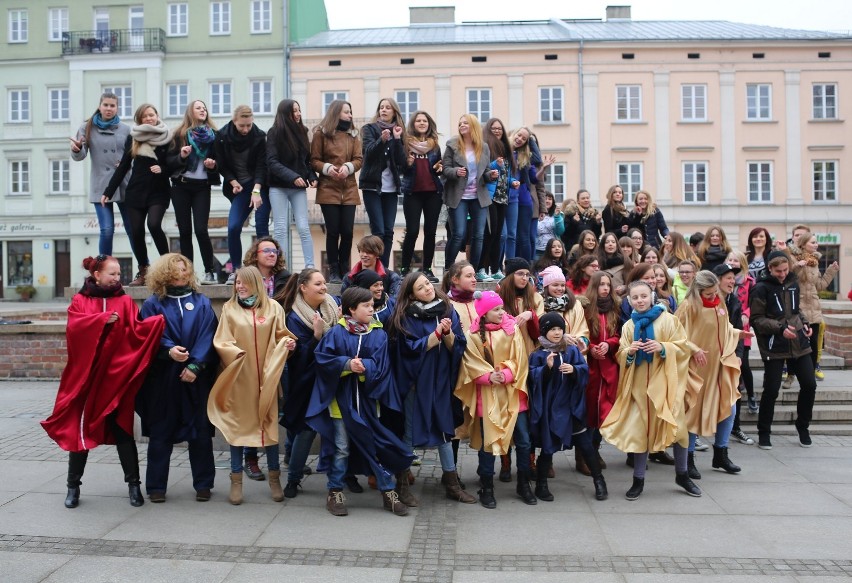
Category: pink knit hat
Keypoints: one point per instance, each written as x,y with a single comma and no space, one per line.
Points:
486,301
550,275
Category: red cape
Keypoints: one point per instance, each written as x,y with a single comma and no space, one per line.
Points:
106,367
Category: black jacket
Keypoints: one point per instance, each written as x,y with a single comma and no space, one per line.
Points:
378,155
225,156
144,187
284,166
774,306
177,165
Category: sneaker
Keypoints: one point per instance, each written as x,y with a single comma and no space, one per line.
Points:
753,407
482,276
764,443
335,503
209,278
498,275
741,436
788,382
416,461
430,276
291,489
820,376
203,495
403,271
700,445
804,437
231,278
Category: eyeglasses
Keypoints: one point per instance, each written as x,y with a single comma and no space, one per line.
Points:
524,274
269,251
689,272
637,238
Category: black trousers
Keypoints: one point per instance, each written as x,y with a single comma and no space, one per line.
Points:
339,227
772,372
192,209
415,204
491,247
137,218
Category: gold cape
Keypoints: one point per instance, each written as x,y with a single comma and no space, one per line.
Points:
712,389
648,413
500,403
538,308
243,403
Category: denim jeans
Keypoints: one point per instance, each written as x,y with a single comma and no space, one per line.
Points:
297,199
299,451
240,211
526,235
521,437
341,456
458,222
272,461
106,224
723,429
381,210
510,231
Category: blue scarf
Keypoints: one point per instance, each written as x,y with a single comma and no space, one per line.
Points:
105,124
201,139
644,330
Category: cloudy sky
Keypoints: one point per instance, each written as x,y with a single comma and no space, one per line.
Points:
830,15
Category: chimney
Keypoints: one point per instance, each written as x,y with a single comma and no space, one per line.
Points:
617,13
432,14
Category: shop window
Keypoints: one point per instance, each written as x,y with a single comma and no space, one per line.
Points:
20,262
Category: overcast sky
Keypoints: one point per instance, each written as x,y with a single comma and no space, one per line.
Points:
828,15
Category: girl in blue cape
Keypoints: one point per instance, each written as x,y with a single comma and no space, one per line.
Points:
353,385
428,348
557,396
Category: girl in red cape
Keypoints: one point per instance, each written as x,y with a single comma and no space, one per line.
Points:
109,350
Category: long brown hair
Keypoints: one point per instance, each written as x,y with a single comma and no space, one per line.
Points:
396,325
591,308
453,271
188,123
287,296
681,251
509,295
286,133
499,148
91,120
137,117
705,243
474,134
329,122
432,137
577,274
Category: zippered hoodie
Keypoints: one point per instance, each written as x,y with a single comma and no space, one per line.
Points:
774,306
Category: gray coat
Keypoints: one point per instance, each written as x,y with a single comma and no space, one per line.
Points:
107,148
453,185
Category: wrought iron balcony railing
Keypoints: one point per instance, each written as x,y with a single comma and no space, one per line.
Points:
127,40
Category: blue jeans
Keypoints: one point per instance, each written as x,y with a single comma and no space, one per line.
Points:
384,480
521,437
299,451
297,198
723,429
526,236
272,461
381,210
445,450
106,224
510,231
240,211
458,222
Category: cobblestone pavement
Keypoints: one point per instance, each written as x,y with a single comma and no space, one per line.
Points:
763,516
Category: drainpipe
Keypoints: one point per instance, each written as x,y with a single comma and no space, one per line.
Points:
582,117
286,20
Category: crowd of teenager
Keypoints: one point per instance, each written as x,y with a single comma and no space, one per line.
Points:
605,325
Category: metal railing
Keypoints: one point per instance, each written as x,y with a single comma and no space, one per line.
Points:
127,40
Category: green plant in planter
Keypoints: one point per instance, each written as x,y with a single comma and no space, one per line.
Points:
26,291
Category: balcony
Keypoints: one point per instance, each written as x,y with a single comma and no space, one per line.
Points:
85,42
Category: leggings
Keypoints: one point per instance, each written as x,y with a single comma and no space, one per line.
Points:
137,216
339,227
191,202
413,205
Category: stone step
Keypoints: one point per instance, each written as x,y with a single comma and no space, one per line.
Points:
834,429
823,414
827,361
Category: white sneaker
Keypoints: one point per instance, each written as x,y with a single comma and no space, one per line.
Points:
209,278
231,278
700,445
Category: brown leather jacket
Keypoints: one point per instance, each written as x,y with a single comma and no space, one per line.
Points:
335,150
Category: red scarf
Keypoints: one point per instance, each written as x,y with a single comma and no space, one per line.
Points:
710,303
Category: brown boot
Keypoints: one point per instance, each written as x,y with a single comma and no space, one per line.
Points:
371,482
580,463
335,503
391,503
252,469
505,468
275,485
532,462
403,490
450,480
235,496
139,280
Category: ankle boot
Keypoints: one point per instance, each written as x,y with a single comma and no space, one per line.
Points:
542,492
523,488
252,469
580,462
601,492
403,490
139,280
636,489
486,494
129,458
505,468
690,466
392,503
235,496
450,480
334,273
275,485
76,466
721,461
135,494
687,484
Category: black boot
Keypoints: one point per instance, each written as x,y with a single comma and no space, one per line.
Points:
486,494
636,489
334,273
721,461
76,466
523,489
601,492
542,492
690,466
684,482
129,458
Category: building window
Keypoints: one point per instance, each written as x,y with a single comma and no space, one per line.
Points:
19,105
825,101
19,177
329,96
261,97
178,19
693,102
408,101
220,18
628,102
549,104
630,178
57,23
825,180
18,26
60,181
479,103
759,101
125,99
760,181
220,98
555,181
261,16
177,98
695,182
57,104
19,258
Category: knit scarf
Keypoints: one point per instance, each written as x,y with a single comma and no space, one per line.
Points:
354,326
200,138
92,290
178,291
644,330
419,148
461,296
714,253
507,325
327,311
248,302
149,137
613,260
588,214
710,303
386,125
105,124
237,141
343,125
430,311
560,304
554,346
811,259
